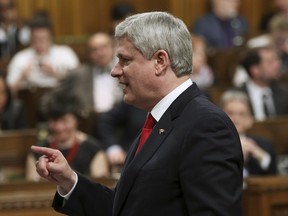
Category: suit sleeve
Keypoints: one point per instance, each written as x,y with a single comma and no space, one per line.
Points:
87,199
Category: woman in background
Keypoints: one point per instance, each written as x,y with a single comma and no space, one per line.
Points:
83,152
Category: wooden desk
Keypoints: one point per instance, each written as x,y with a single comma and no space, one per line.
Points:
31,198
14,146
266,196
274,129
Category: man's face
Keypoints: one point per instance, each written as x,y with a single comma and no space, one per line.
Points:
228,8
269,67
41,40
239,113
280,39
137,75
282,5
101,50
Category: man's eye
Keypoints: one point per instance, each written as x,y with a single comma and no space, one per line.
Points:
124,61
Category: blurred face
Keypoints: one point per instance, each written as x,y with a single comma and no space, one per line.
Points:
199,56
63,128
101,50
41,40
3,94
280,39
6,8
240,114
137,75
269,67
282,5
226,8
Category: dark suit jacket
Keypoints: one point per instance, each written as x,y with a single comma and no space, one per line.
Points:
213,30
120,125
279,95
13,116
193,167
252,165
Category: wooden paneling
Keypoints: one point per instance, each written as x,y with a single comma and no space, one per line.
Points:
80,17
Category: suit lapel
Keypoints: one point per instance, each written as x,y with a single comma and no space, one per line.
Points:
161,130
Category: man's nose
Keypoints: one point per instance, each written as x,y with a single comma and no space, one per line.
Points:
117,70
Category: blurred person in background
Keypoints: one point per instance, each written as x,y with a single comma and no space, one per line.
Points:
223,27
12,114
259,154
13,35
267,96
119,12
92,81
277,37
281,7
117,129
83,153
202,74
43,63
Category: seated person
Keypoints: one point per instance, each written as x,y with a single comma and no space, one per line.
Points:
12,114
202,74
223,27
83,152
259,154
43,63
92,81
118,128
13,35
277,37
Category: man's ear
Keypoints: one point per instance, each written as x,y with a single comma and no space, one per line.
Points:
161,61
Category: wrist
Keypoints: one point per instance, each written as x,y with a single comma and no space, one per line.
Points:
68,184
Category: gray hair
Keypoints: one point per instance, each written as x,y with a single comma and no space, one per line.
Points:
153,31
234,94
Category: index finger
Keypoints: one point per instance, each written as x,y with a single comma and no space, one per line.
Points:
43,150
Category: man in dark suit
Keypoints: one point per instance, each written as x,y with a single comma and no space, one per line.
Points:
117,129
222,27
259,154
268,98
191,164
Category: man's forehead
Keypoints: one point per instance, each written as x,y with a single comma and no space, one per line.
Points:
125,47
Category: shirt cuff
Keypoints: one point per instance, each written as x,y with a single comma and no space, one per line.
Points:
113,148
265,162
67,196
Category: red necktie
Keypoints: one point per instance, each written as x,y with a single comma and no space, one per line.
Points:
146,130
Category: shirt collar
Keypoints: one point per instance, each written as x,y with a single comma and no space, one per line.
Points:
160,108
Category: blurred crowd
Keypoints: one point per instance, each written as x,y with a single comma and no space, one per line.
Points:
75,91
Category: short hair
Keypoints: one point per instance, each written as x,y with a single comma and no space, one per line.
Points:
234,94
152,31
279,23
58,103
40,19
252,57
